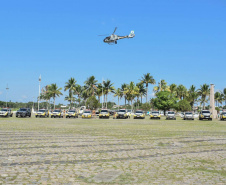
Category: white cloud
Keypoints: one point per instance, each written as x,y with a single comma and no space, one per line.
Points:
0,92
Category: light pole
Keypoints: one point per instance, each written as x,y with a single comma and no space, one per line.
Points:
102,92
33,103
39,79
7,88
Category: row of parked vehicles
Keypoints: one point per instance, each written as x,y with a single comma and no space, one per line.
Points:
105,113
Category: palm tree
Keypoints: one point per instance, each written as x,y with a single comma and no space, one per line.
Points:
78,92
204,91
221,99
70,98
45,95
90,85
192,96
217,97
85,94
142,91
123,86
99,91
71,86
224,94
108,88
181,91
118,93
147,79
162,86
173,88
131,90
54,92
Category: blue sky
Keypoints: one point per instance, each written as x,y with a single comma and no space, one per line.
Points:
182,42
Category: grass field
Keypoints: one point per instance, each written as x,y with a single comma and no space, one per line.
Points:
77,151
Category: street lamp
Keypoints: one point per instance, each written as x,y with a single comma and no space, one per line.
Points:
39,79
7,88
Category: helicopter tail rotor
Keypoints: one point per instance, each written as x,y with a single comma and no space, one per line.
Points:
131,35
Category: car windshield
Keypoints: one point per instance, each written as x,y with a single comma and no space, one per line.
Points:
224,113
206,112
129,111
155,112
188,113
170,112
56,110
122,110
104,110
23,109
41,110
71,111
3,109
87,111
138,111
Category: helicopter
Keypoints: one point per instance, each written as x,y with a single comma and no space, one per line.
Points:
112,39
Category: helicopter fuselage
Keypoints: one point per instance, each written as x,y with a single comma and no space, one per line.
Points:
113,39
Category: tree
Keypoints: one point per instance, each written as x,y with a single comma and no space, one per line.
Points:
224,96
78,92
204,91
147,79
45,95
142,91
70,98
108,88
92,103
119,94
183,105
217,97
221,99
164,100
123,86
145,106
85,95
90,85
54,92
162,86
192,96
131,90
181,91
71,86
99,91
173,88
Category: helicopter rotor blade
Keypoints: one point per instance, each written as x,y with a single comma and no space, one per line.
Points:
103,35
114,30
